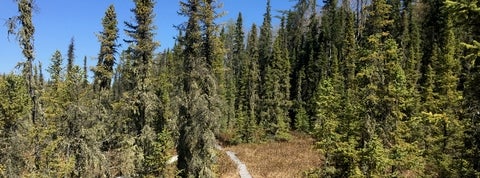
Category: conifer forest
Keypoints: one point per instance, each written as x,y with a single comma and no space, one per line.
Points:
386,88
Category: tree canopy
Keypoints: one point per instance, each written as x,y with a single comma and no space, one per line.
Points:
387,88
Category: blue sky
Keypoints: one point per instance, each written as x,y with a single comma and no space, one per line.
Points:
57,21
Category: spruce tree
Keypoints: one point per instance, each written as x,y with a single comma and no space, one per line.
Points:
70,58
85,72
242,73
265,40
25,35
197,115
277,90
26,38
55,69
240,66
143,46
238,45
327,131
348,50
71,122
264,54
310,60
253,81
295,26
141,95
373,83
213,51
108,49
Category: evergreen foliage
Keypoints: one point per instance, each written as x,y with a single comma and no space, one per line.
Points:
70,57
106,57
387,88
264,58
198,111
276,99
252,88
55,69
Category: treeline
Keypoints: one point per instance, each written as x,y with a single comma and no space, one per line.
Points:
387,87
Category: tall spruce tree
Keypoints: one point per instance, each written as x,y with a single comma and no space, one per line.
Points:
242,78
310,60
25,35
276,101
212,50
253,82
143,46
26,38
85,72
264,54
265,40
239,45
240,66
349,49
372,85
70,59
197,115
108,49
144,105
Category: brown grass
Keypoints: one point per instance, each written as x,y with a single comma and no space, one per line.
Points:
226,168
278,159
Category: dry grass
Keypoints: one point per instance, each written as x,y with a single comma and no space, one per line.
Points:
277,159
226,168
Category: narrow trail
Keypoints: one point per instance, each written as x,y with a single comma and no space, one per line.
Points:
242,168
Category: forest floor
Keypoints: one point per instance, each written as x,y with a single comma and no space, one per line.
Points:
272,159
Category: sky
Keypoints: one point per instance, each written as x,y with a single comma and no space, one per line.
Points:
57,21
